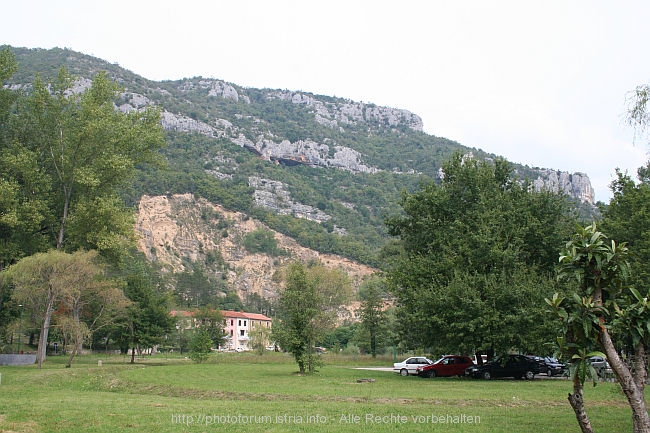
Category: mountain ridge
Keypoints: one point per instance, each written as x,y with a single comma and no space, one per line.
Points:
321,170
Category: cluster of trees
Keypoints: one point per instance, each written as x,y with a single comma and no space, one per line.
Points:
474,259
475,269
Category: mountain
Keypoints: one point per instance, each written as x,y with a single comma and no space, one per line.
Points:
320,171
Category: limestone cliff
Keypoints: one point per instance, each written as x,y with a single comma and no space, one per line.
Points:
575,185
177,231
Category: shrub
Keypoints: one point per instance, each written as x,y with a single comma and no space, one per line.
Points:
200,346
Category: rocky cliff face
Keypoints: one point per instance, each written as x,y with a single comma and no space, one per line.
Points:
575,185
178,231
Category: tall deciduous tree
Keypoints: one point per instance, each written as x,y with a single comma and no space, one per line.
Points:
372,312
24,202
475,258
308,304
68,152
626,218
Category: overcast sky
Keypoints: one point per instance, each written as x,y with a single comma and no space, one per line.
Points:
542,83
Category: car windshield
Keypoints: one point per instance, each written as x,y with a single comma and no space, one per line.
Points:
439,360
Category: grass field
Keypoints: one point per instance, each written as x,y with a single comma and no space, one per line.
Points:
239,392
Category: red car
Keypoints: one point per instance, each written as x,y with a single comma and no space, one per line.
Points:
448,365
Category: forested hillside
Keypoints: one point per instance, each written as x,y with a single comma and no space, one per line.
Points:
325,171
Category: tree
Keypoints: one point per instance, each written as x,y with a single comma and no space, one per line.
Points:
307,309
211,321
23,186
90,303
637,113
68,154
200,345
474,259
259,338
626,217
42,281
601,306
371,312
147,320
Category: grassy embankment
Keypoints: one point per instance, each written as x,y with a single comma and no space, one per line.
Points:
239,392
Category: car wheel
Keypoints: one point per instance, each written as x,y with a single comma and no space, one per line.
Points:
529,375
486,375
432,373
549,373
404,372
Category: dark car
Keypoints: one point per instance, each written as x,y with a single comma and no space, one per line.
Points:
448,365
539,360
516,366
554,367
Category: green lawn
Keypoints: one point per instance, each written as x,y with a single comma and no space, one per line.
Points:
248,393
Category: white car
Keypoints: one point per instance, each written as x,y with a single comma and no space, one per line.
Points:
410,365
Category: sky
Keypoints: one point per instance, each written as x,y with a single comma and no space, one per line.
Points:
541,83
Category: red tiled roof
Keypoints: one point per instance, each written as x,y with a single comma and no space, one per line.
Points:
226,314
243,315
176,313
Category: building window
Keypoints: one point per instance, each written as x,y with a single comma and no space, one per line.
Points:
239,323
231,332
244,323
241,333
232,322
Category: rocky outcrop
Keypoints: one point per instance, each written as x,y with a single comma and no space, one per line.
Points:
333,114
307,152
576,185
179,229
180,123
214,88
273,196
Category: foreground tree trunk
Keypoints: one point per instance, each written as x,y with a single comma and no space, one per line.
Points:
41,351
576,400
633,393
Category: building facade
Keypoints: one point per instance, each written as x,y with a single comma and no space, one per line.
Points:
237,327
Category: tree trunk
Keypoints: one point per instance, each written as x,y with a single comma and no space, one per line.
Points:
639,363
66,203
576,401
72,355
45,329
628,382
634,395
133,355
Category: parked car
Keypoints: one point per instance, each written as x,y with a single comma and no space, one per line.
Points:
516,366
448,365
554,367
539,360
601,366
410,365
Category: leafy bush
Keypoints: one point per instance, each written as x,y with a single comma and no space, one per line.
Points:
200,346
262,241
